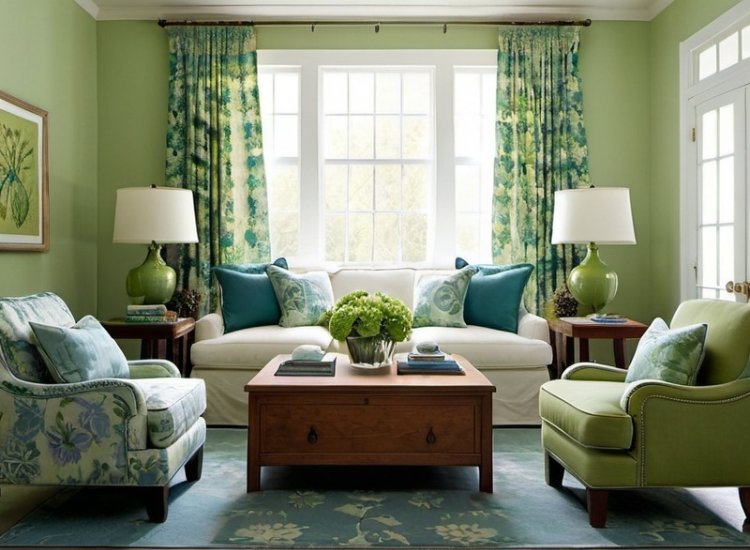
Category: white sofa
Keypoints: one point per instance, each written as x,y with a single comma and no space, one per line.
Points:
515,363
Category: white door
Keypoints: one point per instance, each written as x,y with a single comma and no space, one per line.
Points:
720,160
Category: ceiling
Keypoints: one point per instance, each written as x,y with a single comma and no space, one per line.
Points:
382,10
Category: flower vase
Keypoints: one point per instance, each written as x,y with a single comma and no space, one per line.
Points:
370,350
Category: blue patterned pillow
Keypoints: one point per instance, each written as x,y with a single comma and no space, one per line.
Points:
303,299
670,355
82,352
439,301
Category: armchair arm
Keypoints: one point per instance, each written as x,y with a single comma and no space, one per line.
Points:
594,371
208,327
153,368
532,326
639,392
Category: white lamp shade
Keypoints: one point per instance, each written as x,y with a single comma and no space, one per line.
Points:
159,214
600,215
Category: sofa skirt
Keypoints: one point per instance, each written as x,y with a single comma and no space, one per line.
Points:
515,402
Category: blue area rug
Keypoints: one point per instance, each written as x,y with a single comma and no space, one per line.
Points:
314,507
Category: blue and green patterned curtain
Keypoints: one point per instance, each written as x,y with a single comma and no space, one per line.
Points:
215,149
541,148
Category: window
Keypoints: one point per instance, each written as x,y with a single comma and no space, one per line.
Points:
388,163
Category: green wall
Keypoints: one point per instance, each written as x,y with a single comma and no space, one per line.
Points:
48,59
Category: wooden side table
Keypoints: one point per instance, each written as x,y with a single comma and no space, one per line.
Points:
565,330
159,340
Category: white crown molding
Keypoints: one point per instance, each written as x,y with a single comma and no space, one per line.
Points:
367,10
90,7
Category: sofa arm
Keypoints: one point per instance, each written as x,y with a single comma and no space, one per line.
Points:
153,368
208,327
532,326
594,371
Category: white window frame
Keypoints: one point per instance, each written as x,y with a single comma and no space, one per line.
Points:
312,242
692,92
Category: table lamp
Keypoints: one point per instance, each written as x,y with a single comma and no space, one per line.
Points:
591,216
154,216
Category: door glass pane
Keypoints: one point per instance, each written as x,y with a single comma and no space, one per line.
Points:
709,135
726,130
726,190
726,255
709,257
708,181
746,42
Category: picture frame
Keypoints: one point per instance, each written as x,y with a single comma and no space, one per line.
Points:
24,176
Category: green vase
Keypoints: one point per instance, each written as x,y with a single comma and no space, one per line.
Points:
152,282
370,350
593,283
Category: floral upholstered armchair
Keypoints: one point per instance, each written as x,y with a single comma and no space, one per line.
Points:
73,411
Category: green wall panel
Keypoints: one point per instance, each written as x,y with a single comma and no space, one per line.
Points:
48,59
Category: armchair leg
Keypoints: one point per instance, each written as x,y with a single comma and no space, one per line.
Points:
157,503
745,500
597,501
553,471
194,466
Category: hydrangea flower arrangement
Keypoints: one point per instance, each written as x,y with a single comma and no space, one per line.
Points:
362,314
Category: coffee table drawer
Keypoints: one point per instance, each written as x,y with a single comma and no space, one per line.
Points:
341,428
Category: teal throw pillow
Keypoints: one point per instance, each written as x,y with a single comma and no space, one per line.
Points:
439,301
82,352
247,299
251,268
303,299
493,299
670,355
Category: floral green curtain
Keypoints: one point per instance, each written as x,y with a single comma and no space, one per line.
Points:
215,149
541,148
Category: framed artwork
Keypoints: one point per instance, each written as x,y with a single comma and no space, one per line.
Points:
24,186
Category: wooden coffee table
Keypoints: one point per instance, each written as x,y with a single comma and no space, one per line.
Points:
369,417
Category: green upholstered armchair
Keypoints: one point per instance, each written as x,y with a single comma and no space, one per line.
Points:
131,431
613,435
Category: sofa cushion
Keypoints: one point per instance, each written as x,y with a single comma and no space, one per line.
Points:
589,412
16,347
247,299
439,301
670,355
397,283
82,352
254,347
173,405
303,299
494,297
486,347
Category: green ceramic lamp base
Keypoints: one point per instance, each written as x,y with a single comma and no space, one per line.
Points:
153,282
593,283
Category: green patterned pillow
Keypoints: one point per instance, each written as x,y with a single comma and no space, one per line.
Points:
669,355
82,352
439,301
302,298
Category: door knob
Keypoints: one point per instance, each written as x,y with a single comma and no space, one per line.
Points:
739,288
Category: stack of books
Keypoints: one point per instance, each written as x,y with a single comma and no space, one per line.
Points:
427,363
301,367
156,313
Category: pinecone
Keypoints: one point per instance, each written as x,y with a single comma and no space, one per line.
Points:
563,303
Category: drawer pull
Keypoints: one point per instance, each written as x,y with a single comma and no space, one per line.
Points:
312,436
431,438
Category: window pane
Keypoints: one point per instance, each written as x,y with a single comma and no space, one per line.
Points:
467,85
386,237
417,93
336,137
467,236
709,136
286,137
283,193
726,130
387,137
415,226
335,237
361,93
468,130
709,192
361,138
335,93
468,187
335,187
489,95
284,233
726,190
415,137
729,51
388,93
286,93
360,237
360,188
416,188
388,187
745,42
707,63
709,259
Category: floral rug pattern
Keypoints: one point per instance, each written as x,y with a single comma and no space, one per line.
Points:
379,507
